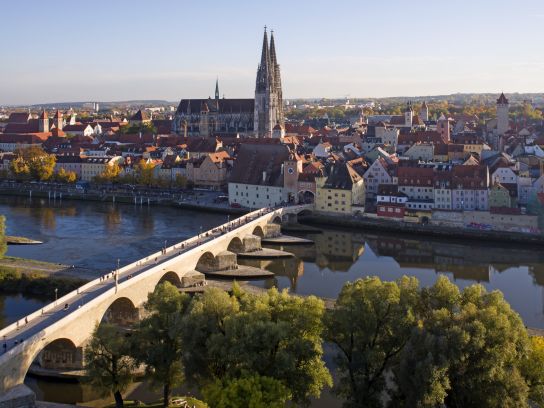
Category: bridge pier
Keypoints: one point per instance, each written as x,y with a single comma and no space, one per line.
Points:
19,396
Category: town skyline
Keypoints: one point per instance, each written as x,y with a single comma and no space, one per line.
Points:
178,57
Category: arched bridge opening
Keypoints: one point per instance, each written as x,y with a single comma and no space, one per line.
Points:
170,277
121,312
236,245
60,354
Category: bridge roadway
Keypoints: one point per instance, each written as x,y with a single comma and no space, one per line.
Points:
27,337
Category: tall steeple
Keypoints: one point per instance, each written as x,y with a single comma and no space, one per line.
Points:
268,94
263,71
217,88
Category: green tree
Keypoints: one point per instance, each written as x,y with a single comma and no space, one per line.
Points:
250,392
271,335
465,351
3,244
39,163
532,368
108,364
158,339
370,325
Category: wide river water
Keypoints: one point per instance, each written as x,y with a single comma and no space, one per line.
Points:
94,235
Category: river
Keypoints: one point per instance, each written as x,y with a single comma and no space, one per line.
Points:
94,235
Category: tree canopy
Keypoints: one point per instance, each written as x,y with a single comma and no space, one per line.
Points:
272,335
108,364
428,347
158,338
33,162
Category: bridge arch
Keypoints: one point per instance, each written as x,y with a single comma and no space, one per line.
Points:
306,197
60,353
258,230
236,245
206,262
171,277
277,220
121,312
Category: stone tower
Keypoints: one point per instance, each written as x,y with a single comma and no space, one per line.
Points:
424,112
443,127
43,122
502,115
217,89
268,94
58,120
408,115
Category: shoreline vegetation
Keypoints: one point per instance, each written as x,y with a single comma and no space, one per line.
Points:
17,278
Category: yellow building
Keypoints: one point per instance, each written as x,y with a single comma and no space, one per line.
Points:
342,191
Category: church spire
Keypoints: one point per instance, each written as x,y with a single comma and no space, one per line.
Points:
217,88
273,59
265,58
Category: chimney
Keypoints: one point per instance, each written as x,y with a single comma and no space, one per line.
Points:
264,176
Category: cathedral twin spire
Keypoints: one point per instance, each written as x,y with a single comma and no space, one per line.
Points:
268,72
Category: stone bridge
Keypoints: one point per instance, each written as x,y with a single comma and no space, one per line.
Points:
55,336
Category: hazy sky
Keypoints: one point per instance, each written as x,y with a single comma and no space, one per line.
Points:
119,49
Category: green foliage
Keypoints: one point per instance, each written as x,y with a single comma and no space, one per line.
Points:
532,369
271,335
13,280
3,245
370,324
428,347
108,364
250,392
33,162
158,339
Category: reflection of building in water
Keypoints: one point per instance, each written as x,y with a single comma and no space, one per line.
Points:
470,262
337,250
112,218
292,268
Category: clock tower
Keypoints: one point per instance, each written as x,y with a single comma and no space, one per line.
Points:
291,170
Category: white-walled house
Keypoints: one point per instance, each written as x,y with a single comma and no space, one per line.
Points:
257,178
380,172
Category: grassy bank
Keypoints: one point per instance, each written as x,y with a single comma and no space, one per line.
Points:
16,280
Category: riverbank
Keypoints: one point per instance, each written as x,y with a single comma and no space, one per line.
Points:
34,278
135,199
361,224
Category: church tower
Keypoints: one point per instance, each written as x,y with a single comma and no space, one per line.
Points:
57,120
502,115
408,115
43,122
268,94
424,112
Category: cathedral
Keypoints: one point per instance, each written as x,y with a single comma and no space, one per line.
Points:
245,117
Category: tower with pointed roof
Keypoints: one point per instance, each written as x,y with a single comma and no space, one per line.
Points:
217,89
43,122
408,115
424,112
268,93
502,115
58,120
